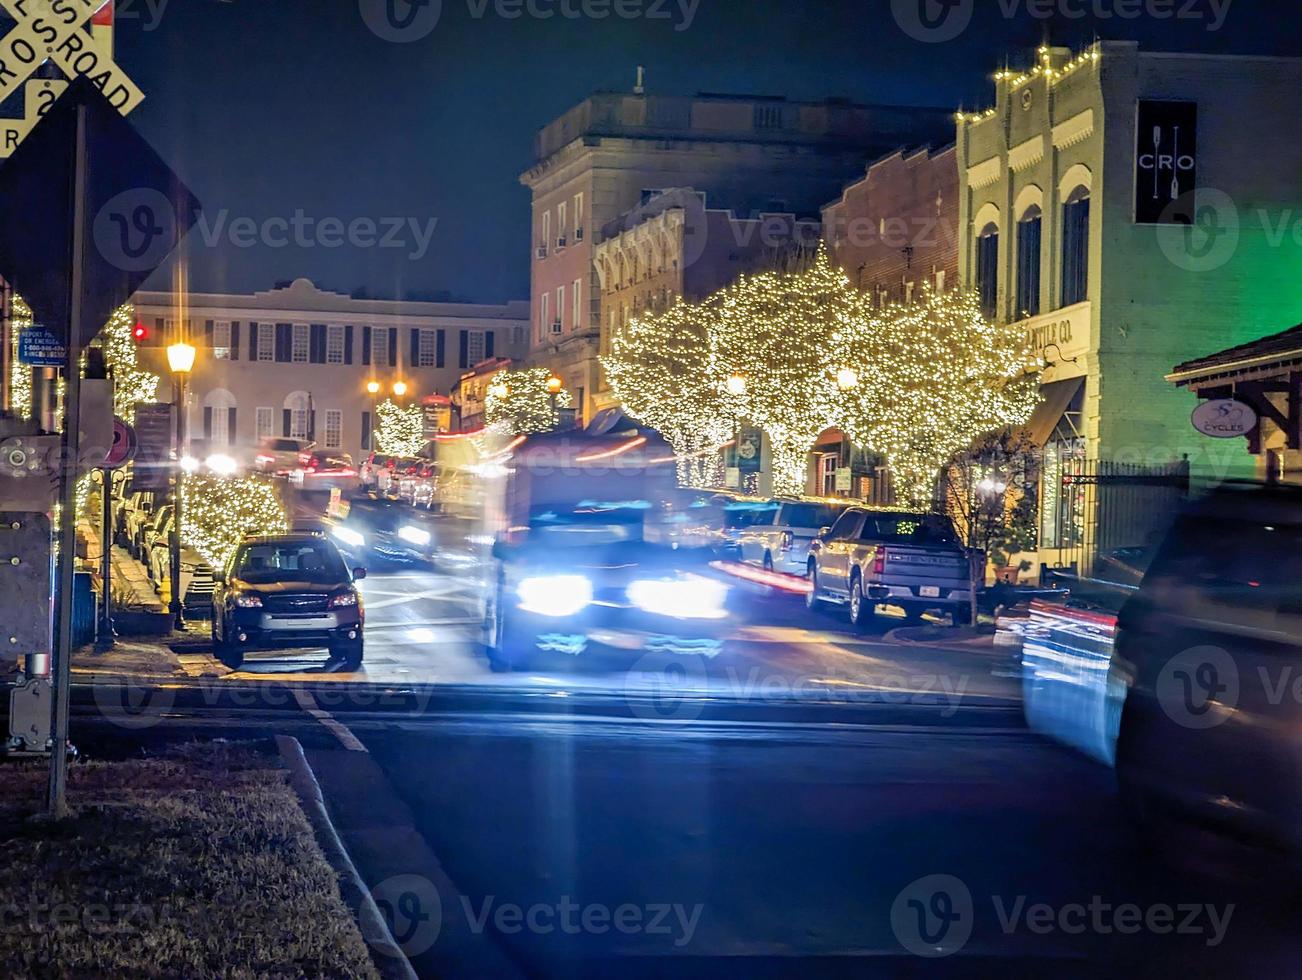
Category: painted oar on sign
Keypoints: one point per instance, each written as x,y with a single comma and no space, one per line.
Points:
87,211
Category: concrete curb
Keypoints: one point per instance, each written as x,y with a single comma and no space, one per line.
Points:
389,959
900,636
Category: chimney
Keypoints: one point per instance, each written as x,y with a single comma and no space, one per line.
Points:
638,89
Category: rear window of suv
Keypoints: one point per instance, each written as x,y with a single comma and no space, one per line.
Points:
807,515
918,529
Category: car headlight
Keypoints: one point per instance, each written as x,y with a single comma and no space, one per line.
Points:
343,600
689,597
554,595
414,535
348,536
248,601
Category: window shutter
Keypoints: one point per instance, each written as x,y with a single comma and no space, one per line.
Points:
285,422
393,347
284,342
207,333
441,351
415,347
311,425
207,422
366,345
366,431
253,340
317,343
235,341
348,344
230,426
489,337
464,351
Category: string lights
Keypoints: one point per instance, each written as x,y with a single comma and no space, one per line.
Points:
131,383
217,513
913,383
523,401
399,430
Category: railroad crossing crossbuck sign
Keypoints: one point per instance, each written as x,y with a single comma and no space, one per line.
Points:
57,31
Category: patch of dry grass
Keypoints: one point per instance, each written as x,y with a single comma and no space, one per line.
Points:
196,864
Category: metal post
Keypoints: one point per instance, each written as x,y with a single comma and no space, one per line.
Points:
175,606
57,797
6,346
104,632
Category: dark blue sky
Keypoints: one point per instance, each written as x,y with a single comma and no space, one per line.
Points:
272,107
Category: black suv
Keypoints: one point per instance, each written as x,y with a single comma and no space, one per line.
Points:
291,590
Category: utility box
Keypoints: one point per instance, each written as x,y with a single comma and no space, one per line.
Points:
25,610
29,472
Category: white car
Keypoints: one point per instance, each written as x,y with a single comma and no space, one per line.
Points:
281,456
779,540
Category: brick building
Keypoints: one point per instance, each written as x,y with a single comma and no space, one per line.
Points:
615,151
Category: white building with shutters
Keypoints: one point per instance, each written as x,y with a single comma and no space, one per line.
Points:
298,360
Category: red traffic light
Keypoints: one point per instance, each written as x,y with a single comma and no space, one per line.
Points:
141,332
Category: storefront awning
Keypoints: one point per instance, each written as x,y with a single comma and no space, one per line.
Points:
1056,398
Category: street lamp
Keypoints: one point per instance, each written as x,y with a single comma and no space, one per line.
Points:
180,358
373,387
400,388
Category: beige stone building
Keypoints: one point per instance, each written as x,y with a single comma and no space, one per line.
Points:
614,152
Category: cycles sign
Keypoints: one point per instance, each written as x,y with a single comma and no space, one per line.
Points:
1224,418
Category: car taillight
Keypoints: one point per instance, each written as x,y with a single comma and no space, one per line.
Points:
879,563
787,541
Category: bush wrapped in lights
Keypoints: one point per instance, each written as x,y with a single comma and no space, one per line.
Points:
521,402
217,513
399,431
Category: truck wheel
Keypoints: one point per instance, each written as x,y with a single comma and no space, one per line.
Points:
962,616
861,609
813,600
349,656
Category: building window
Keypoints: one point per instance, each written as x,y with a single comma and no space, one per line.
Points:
546,232
576,297
380,346
335,343
987,269
544,321
827,466
267,342
302,343
768,117
221,340
299,407
1076,247
1028,263
562,224
475,347
559,323
908,293
427,356
218,418
266,422
334,428
578,217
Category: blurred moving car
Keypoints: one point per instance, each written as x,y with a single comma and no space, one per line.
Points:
290,590
369,530
780,539
905,559
375,469
280,456
1210,648
418,483
592,565
325,470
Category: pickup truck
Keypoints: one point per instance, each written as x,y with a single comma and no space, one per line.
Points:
878,556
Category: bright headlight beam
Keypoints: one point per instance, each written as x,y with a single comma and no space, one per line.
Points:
414,535
554,595
691,597
348,536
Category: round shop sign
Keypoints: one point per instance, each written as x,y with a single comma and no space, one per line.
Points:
1224,418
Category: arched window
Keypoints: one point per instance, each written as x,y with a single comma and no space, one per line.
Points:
1076,246
219,418
987,268
297,421
1028,263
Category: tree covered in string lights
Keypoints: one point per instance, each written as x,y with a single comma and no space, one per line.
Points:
800,351
217,513
131,382
399,430
522,402
661,369
20,375
934,376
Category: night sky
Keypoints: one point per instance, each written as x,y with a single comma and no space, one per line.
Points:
269,107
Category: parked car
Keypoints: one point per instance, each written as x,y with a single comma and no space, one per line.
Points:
879,556
197,578
418,484
280,456
157,528
289,590
375,467
1208,648
138,510
780,539
325,470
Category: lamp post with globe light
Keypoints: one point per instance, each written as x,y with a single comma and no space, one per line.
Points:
180,359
